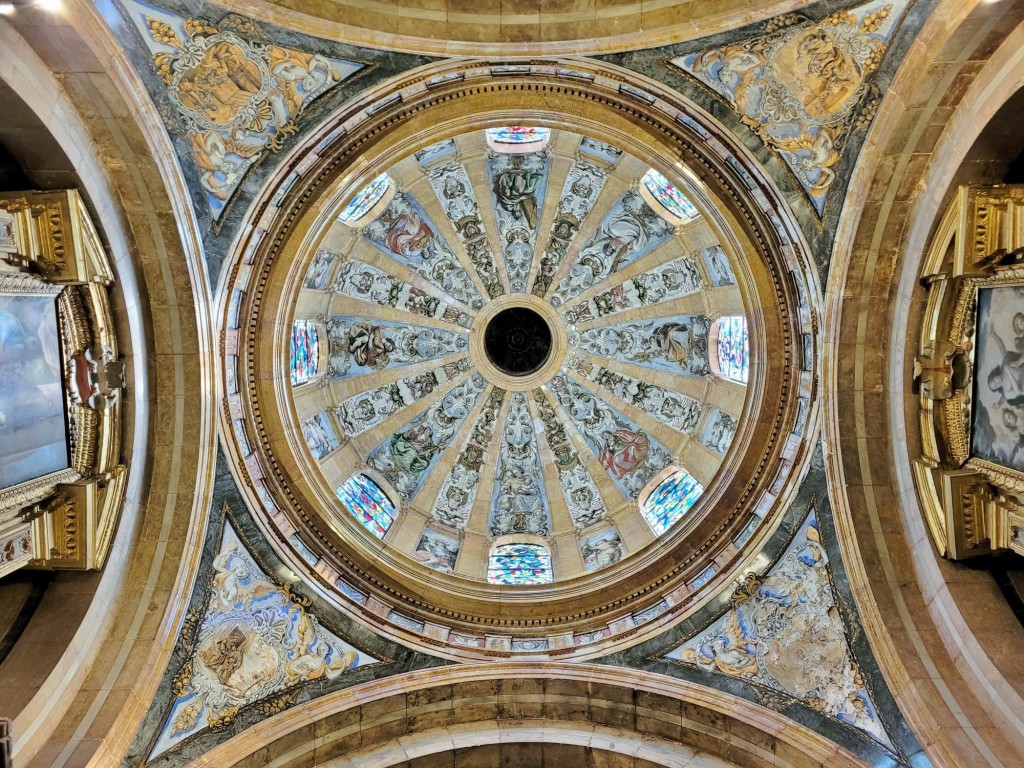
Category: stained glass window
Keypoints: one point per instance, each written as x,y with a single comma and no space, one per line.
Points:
666,193
361,204
670,501
517,139
368,504
733,349
518,134
305,351
519,564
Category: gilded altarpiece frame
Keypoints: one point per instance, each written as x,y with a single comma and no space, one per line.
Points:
968,375
64,518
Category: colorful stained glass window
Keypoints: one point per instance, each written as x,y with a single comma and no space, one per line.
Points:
733,349
519,564
518,134
666,193
304,356
361,204
368,504
670,501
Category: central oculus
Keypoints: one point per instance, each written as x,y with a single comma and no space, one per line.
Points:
517,340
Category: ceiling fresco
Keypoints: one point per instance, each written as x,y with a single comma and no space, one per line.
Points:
503,423
508,393
802,85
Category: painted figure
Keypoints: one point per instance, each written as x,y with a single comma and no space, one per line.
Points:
623,451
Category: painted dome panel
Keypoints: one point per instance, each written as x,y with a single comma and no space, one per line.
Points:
487,366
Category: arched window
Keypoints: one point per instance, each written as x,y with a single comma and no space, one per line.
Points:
518,139
360,205
668,198
304,354
519,564
368,504
731,343
670,501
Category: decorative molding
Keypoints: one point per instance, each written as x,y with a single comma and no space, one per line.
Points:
257,274
971,473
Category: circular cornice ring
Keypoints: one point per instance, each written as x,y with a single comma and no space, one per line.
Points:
590,615
495,374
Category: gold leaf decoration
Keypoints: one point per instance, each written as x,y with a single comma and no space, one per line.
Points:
186,719
873,21
199,28
163,32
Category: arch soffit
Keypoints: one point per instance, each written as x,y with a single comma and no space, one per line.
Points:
721,726
892,207
584,30
159,273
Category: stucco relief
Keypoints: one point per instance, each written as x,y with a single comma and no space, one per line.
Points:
673,344
455,193
362,411
405,456
455,500
518,185
719,432
404,232
784,632
230,91
253,644
368,283
803,86
519,502
679,277
582,187
361,346
681,412
602,549
582,498
627,232
437,551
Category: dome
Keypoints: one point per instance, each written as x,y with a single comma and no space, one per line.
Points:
514,333
522,361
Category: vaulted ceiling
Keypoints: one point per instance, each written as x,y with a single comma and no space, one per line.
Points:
332,429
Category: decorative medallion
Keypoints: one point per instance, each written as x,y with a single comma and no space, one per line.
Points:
784,633
231,92
803,86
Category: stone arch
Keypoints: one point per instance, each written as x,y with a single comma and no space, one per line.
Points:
938,631
387,722
93,646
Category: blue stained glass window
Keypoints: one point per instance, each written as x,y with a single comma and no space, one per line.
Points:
670,501
519,564
305,351
665,192
360,205
518,134
733,349
368,504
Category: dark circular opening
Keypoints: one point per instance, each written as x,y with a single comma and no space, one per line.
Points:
517,341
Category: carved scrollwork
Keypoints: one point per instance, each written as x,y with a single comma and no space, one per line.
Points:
976,268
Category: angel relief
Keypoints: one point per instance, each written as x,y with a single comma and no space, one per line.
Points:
234,94
799,84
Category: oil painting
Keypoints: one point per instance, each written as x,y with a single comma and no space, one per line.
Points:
997,434
33,431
